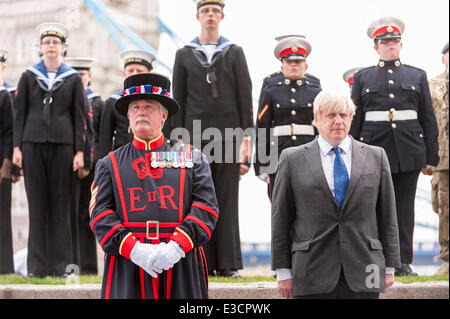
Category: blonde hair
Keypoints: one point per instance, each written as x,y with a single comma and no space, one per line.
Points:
326,101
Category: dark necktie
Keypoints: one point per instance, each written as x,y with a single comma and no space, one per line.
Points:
341,178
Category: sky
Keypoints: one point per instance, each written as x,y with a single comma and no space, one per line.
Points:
337,33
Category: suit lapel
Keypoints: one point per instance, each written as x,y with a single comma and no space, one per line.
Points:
358,161
314,162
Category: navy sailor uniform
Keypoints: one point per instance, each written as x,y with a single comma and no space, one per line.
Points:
133,201
49,127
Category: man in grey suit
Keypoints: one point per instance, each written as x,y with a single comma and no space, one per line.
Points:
334,224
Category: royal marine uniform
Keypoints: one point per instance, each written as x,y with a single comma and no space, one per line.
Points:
152,192
440,194
348,76
114,127
6,126
394,111
49,128
286,106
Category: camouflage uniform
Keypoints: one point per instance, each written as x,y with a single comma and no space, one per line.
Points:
440,199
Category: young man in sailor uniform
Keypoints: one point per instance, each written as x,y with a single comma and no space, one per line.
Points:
394,111
153,204
114,128
286,106
49,142
85,247
211,82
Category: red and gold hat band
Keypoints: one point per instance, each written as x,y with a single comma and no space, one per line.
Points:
386,29
293,50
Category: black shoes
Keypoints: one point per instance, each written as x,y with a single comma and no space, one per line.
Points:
231,273
405,270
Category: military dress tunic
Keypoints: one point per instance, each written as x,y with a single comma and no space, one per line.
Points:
284,102
132,200
393,86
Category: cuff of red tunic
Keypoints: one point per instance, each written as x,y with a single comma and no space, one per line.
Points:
183,239
127,245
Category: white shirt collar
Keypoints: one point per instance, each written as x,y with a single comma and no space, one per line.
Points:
326,148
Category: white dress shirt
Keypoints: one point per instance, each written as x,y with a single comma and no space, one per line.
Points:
327,156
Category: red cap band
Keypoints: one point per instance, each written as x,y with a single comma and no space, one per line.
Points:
386,29
293,50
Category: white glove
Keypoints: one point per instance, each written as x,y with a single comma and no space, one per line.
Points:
167,255
143,255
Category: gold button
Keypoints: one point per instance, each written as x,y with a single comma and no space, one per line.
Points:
392,110
292,101
307,82
421,135
394,125
391,82
279,83
413,88
391,95
287,81
367,90
309,104
361,139
381,64
390,71
293,112
278,105
299,82
293,90
397,63
294,138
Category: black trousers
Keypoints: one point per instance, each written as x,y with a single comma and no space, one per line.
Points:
6,243
48,176
86,238
223,251
342,291
405,185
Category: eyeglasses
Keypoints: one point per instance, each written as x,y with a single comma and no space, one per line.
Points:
51,42
208,10
388,40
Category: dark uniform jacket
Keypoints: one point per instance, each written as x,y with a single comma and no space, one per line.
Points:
98,106
114,128
409,144
284,102
225,102
6,125
66,116
133,201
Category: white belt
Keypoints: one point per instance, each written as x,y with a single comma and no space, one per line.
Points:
293,129
391,115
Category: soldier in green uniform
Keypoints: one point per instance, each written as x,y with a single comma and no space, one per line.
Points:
439,95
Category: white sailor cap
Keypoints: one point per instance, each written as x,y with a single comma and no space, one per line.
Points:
292,48
3,55
386,27
348,75
80,63
53,29
138,57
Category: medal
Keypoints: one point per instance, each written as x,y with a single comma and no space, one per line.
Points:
167,159
162,164
182,160
176,161
189,163
154,161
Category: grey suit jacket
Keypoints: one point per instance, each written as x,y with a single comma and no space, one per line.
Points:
315,239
